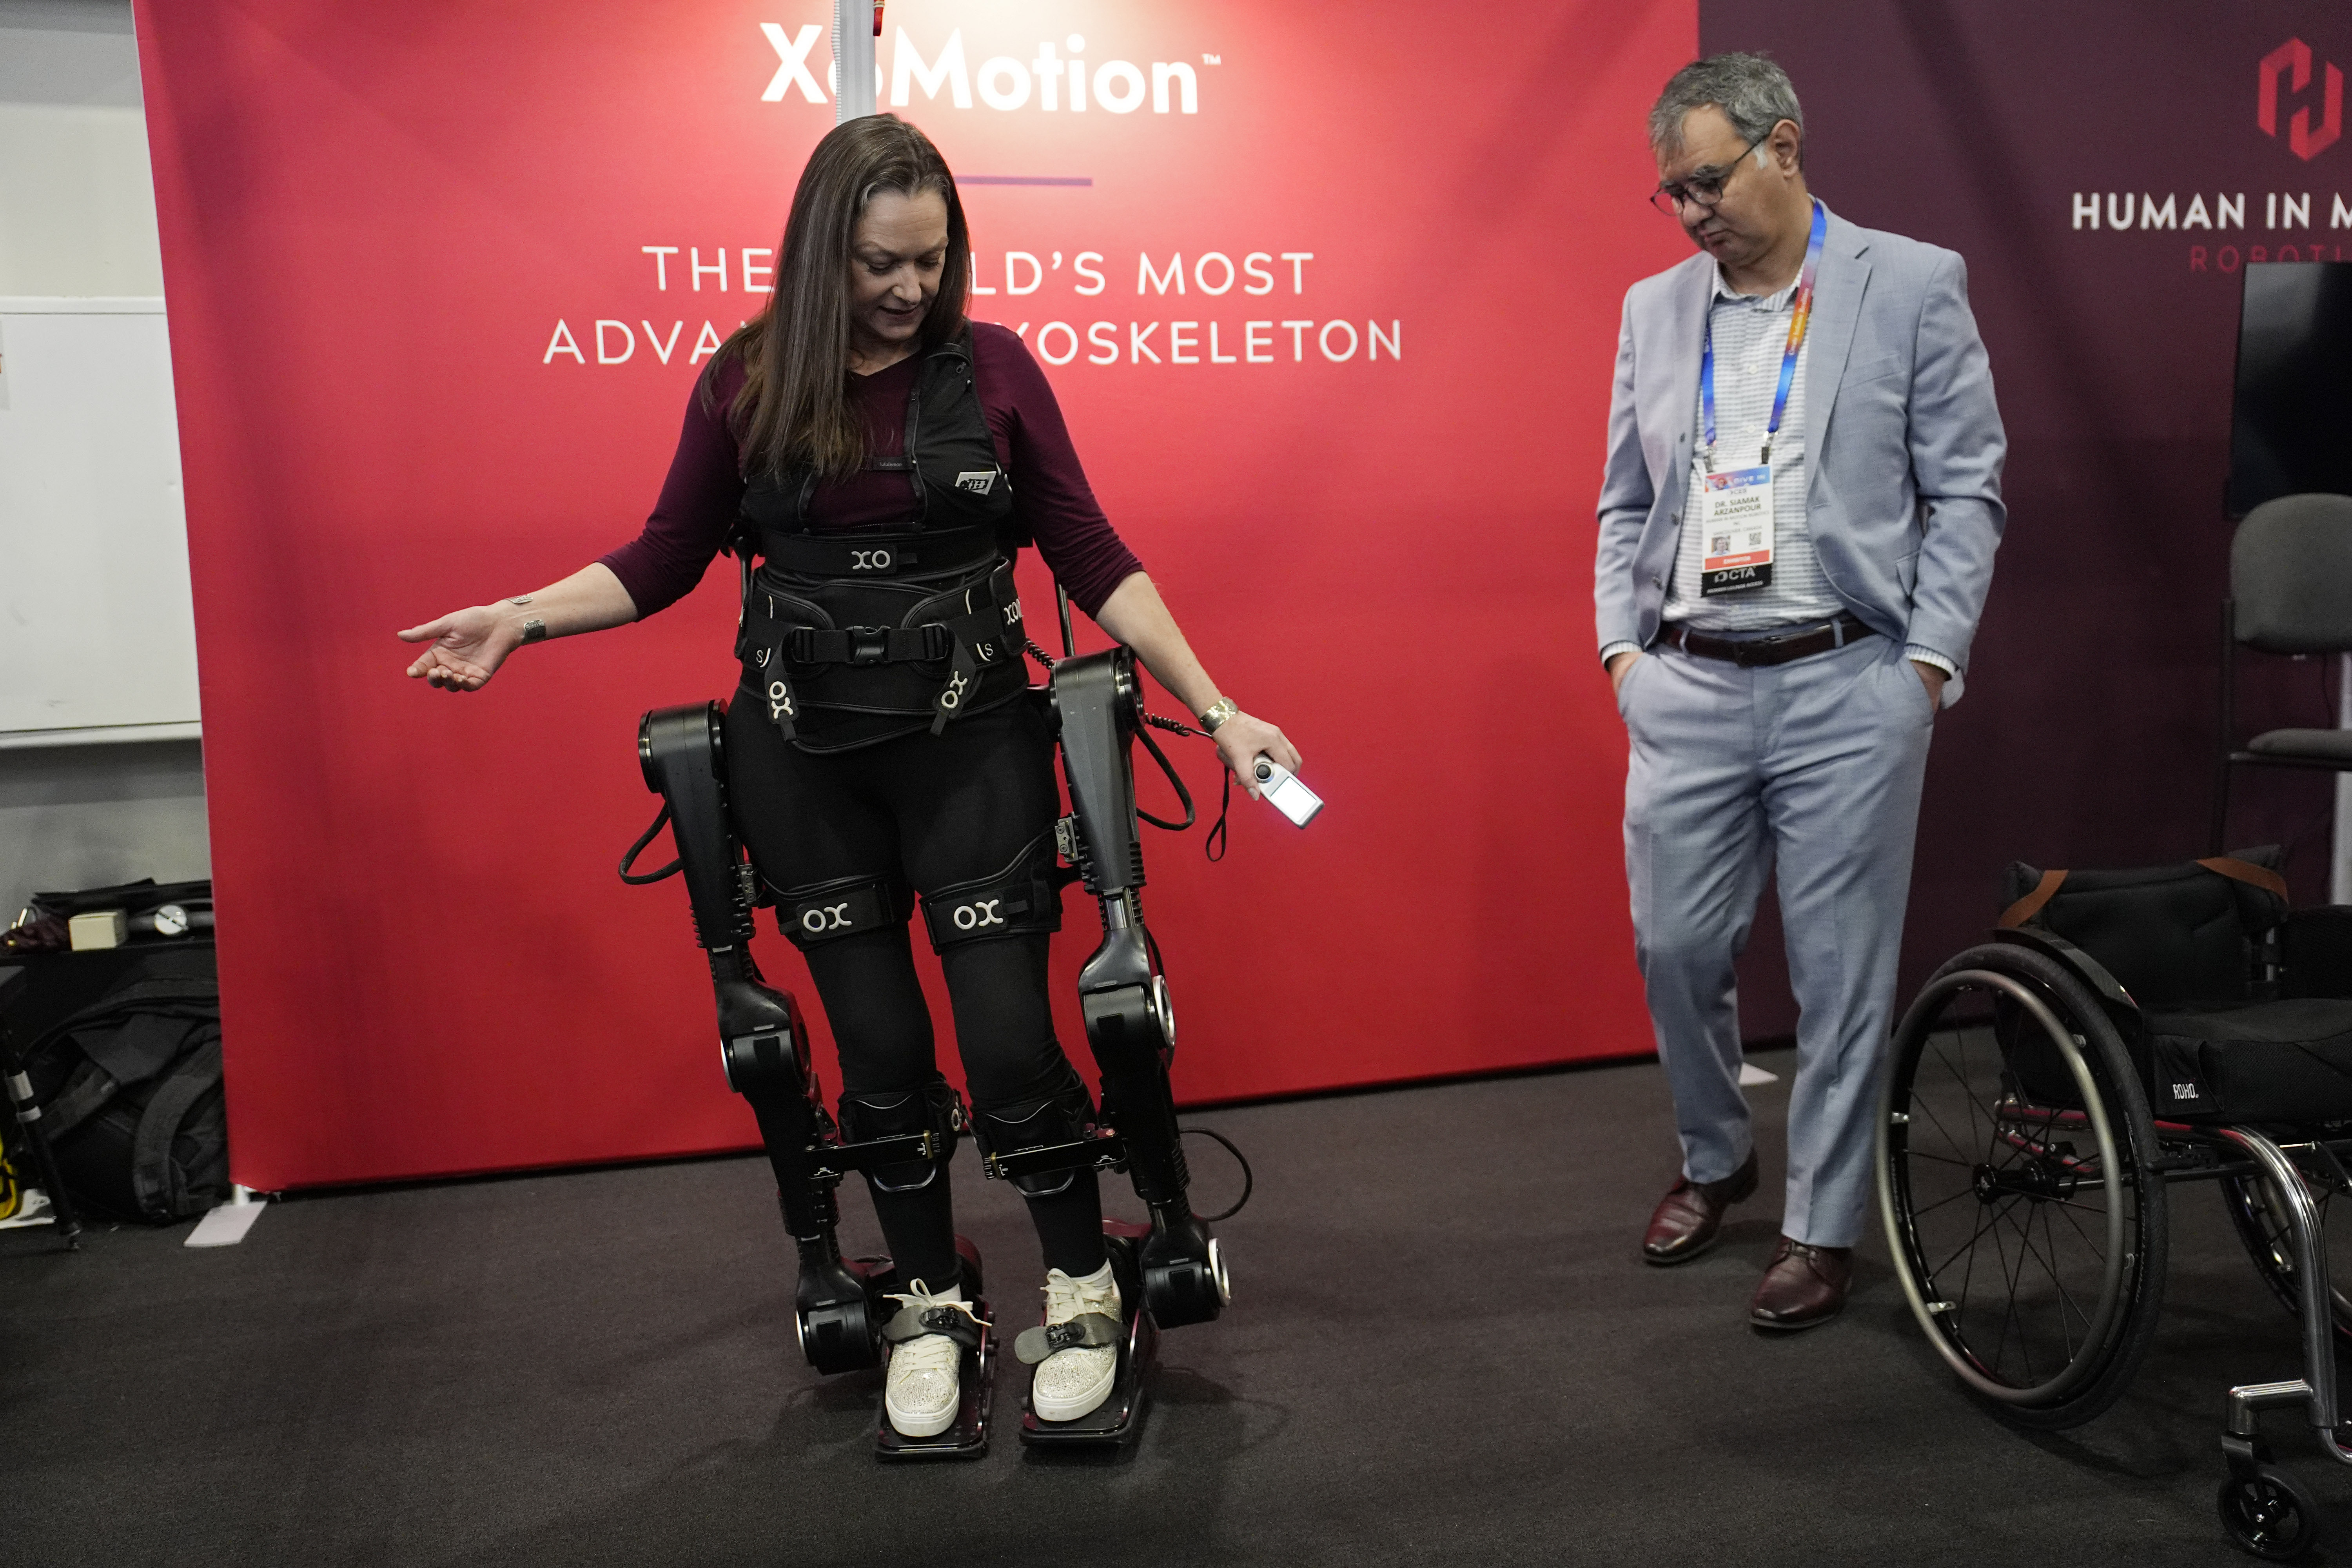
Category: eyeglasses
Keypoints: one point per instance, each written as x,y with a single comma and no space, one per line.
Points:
1700,190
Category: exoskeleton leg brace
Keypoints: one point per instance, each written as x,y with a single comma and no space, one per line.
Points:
764,1045
1131,1024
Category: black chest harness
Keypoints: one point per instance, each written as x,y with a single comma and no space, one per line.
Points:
852,638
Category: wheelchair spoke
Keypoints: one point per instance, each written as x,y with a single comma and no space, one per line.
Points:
1968,1246
1924,1102
2009,1316
2097,1251
2044,1255
1921,1105
1959,1074
1939,1203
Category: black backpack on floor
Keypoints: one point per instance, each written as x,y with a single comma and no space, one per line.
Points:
130,1090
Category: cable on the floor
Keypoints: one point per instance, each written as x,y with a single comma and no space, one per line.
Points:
1249,1178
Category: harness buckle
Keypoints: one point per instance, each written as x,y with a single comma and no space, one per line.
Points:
868,645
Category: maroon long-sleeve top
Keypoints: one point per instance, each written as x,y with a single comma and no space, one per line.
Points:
704,487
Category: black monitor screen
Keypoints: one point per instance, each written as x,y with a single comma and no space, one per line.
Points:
2290,422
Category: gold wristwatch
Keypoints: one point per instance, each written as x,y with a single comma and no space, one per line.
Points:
1219,711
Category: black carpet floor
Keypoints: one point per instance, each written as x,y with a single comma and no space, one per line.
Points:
1442,1350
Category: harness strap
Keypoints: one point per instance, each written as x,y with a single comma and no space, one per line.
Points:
879,556
980,636
85,1094
2246,872
848,906
1021,899
2026,907
776,686
953,1319
2236,870
867,644
160,1186
1087,1331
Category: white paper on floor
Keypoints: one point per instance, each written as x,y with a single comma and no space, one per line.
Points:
1749,1073
36,1211
226,1226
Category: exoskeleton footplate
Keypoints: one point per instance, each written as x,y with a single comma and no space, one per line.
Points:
1120,1419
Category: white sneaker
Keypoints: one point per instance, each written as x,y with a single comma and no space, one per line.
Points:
1075,1381
922,1394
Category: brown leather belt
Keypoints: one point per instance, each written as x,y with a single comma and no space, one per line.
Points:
1749,652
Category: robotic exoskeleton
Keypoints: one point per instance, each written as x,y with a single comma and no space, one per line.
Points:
1174,1266
765,1051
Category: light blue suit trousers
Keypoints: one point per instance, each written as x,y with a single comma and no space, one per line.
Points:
1816,764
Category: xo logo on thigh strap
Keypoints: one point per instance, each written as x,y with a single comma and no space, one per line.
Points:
869,560
830,909
1021,899
973,916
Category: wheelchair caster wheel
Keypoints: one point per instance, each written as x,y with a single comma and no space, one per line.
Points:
2269,1514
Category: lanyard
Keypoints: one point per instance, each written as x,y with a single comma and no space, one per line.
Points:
1800,319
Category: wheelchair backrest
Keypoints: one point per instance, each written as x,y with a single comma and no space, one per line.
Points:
2171,934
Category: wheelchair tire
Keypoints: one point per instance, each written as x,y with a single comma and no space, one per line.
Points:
2027,1230
2270,1515
2254,1214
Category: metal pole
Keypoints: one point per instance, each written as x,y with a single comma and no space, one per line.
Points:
855,23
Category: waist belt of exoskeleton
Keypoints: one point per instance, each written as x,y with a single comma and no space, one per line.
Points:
879,558
802,654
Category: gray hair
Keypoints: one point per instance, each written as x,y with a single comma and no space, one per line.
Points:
1754,94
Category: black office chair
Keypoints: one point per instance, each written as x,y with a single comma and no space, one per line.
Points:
2290,593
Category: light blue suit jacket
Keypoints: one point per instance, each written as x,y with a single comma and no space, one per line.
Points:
1903,442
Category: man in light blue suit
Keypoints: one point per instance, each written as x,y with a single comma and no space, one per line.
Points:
1798,523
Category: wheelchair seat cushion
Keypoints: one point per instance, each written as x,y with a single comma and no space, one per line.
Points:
2262,1061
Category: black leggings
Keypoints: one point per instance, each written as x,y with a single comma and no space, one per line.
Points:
939,810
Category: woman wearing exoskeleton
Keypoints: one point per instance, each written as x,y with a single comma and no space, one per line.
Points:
802,426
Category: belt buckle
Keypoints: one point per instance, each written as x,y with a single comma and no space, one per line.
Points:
869,645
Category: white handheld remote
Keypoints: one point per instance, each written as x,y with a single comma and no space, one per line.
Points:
1279,785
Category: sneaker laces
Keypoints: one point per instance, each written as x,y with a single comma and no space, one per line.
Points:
933,1350
1067,1297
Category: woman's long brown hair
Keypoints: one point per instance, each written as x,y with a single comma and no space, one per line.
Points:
794,406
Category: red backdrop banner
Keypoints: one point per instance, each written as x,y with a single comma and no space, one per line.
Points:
1329,297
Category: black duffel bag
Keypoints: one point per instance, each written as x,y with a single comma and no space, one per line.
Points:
130,1090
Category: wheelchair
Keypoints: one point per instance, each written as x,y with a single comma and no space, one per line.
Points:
2124,1032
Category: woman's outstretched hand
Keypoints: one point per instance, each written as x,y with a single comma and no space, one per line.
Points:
465,650
1241,738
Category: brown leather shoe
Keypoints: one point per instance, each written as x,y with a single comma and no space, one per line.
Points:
1805,1287
1686,1219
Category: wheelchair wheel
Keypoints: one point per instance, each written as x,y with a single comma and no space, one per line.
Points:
2013,1147
2270,1515
2259,1220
